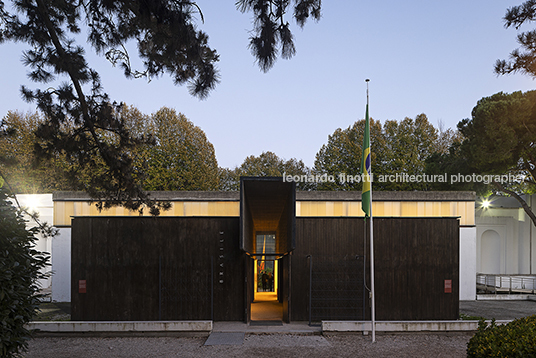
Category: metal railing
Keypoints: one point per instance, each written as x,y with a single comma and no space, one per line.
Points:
505,284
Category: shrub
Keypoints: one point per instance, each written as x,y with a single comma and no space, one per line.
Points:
515,339
20,268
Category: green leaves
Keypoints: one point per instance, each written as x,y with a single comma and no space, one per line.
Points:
501,135
181,159
82,125
396,148
19,273
266,164
515,339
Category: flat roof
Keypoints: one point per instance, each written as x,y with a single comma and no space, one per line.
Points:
300,196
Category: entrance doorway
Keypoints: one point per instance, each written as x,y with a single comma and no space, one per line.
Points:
267,233
266,305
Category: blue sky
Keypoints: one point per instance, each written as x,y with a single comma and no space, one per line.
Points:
421,57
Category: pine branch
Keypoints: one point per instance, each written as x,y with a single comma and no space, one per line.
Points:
523,203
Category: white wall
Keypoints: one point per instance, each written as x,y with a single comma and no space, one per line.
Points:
505,227
42,205
468,263
61,263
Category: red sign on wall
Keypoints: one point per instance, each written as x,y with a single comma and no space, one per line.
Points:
81,286
448,286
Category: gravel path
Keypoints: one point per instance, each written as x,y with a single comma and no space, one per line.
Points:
265,345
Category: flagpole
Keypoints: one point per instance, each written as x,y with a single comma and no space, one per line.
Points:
372,293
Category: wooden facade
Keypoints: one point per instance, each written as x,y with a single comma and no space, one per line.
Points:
414,257
182,268
156,269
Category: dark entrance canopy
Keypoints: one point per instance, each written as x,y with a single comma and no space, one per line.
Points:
267,207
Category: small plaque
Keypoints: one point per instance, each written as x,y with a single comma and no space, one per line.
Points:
82,286
448,286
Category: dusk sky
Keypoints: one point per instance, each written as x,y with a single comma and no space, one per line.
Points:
421,56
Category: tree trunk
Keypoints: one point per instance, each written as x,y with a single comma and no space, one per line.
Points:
523,203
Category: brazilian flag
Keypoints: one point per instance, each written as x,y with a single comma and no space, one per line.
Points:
365,169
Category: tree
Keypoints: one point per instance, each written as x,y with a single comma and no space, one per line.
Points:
181,159
80,117
445,138
342,155
20,269
522,59
409,142
499,139
268,164
396,148
272,32
178,157
18,164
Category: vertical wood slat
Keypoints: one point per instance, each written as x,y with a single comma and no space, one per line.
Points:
119,259
413,258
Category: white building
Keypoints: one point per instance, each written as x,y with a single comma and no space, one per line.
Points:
59,211
43,205
506,252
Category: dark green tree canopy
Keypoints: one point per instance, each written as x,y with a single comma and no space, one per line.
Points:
265,165
165,33
501,134
397,147
342,154
19,166
498,139
181,159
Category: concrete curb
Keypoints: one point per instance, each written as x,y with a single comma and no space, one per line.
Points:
403,326
505,297
205,327
120,326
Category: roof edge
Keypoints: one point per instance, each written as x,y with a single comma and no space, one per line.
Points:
300,196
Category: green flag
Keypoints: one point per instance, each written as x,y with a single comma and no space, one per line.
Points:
365,169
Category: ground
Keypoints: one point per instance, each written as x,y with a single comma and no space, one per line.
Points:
265,345
275,345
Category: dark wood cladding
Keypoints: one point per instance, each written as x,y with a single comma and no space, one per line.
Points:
267,204
413,258
157,268
188,268
325,240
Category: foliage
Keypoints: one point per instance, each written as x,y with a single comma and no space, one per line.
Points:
22,169
499,139
342,154
181,159
266,164
272,32
523,59
515,339
20,268
82,122
465,317
501,134
177,157
446,138
397,148
409,142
